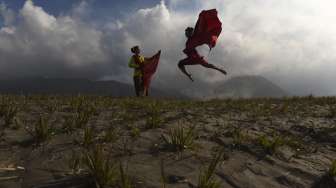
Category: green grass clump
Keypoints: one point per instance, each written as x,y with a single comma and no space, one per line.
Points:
88,137
332,170
78,103
180,138
270,145
52,105
17,124
100,167
81,119
124,179
295,143
69,125
206,178
163,174
76,121
238,137
135,132
42,131
74,162
8,112
153,119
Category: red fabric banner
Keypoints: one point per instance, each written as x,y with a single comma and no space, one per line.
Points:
207,30
150,68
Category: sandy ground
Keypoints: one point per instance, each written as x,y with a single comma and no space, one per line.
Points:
263,142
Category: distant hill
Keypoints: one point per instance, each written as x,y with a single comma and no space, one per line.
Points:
236,87
64,86
248,87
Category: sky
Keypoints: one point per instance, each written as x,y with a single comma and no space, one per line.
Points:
290,42
100,6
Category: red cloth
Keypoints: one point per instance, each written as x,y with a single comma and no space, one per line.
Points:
149,69
206,31
194,59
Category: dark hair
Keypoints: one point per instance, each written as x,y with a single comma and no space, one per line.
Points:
134,48
189,29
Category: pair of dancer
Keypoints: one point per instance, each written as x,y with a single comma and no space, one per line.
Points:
206,31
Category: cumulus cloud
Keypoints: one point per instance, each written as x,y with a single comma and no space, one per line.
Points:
152,29
291,42
42,44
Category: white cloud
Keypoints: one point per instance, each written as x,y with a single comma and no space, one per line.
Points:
292,42
43,44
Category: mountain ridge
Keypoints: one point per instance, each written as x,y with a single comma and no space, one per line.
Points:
235,87
74,86
247,86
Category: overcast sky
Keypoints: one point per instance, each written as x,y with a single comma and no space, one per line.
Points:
290,42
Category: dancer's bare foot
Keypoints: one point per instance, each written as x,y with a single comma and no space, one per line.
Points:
190,77
223,71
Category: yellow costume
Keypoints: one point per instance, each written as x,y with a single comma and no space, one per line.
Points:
137,69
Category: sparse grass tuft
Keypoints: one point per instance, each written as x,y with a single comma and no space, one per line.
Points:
295,143
328,179
81,119
76,121
125,180
100,167
69,126
180,138
163,174
126,147
135,132
41,132
74,162
8,111
88,137
153,119
238,137
206,178
78,103
52,105
270,145
17,124
332,170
